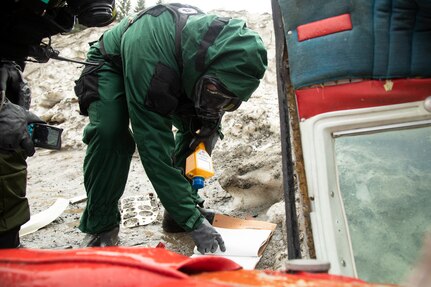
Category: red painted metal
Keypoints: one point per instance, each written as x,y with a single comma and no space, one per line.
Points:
110,266
364,94
251,278
324,27
136,266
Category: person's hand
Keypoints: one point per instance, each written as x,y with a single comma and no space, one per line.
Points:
208,134
13,128
207,239
42,53
12,84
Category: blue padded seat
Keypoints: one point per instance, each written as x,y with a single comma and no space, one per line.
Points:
388,39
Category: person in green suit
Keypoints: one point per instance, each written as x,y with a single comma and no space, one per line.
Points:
170,65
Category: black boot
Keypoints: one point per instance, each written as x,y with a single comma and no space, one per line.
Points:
10,239
171,226
103,239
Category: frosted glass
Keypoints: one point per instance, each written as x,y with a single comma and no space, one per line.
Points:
385,184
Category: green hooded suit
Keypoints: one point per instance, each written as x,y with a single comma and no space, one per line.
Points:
147,74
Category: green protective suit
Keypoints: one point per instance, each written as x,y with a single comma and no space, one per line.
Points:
14,208
139,90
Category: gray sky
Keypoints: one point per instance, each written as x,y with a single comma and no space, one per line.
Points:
255,6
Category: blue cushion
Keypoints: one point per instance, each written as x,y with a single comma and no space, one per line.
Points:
389,39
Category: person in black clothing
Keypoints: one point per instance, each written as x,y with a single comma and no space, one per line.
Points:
25,30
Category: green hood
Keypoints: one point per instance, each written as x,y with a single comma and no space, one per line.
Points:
237,57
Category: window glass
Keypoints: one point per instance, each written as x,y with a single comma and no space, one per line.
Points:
385,184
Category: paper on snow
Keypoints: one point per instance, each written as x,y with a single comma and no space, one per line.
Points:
245,240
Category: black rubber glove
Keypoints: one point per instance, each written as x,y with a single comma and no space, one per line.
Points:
42,53
12,84
208,133
13,128
207,239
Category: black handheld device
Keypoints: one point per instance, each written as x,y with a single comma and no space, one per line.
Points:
45,136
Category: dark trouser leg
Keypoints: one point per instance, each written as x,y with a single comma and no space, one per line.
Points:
109,153
10,239
14,208
106,167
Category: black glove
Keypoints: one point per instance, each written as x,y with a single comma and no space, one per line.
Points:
42,53
13,128
207,239
12,84
209,133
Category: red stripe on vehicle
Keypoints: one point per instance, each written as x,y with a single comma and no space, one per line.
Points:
324,27
365,94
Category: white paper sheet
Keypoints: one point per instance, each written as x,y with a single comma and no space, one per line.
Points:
242,245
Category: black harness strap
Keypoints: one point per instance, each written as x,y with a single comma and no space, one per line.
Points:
210,36
114,59
181,13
